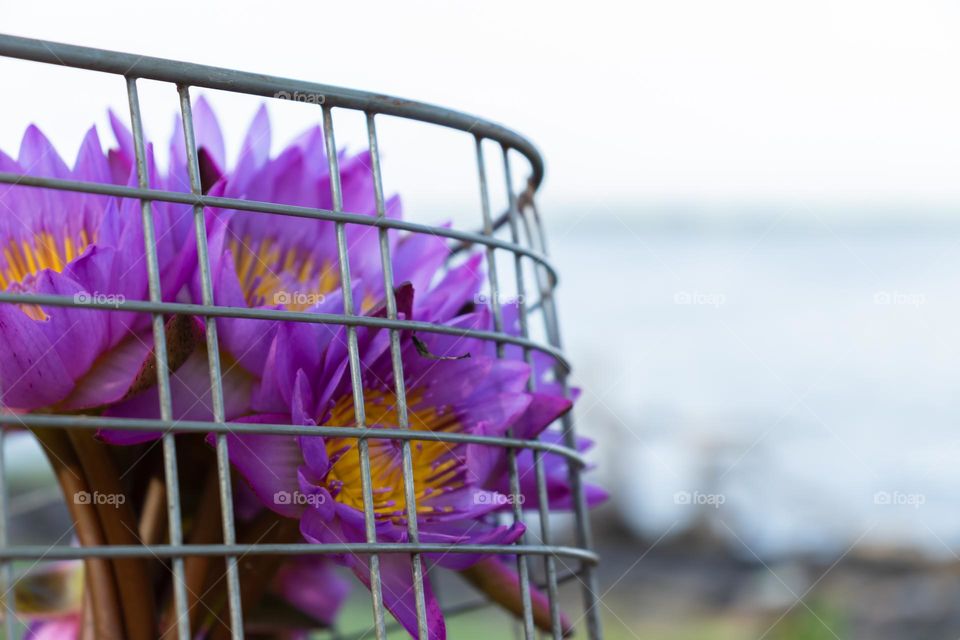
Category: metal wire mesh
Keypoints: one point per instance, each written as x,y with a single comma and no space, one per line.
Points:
526,247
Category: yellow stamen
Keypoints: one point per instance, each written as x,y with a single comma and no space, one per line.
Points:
28,258
267,274
436,466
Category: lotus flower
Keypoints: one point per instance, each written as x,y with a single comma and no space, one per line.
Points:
457,487
89,248
271,261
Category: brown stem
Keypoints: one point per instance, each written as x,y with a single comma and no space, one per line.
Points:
500,583
104,599
120,528
87,630
184,334
205,530
153,515
256,572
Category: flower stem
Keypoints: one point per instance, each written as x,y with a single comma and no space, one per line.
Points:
256,572
500,583
104,599
153,515
119,527
205,530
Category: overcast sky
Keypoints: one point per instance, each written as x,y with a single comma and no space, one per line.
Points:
630,102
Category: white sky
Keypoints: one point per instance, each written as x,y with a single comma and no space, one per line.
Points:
630,102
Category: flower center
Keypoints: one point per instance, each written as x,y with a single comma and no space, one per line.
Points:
23,259
437,466
271,275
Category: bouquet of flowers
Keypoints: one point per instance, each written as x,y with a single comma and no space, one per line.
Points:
89,362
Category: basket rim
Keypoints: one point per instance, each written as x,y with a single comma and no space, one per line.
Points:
219,78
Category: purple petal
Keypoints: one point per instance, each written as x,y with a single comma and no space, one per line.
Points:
32,372
55,629
396,573
269,465
311,584
80,334
458,288
191,399
124,140
111,376
254,152
91,164
468,532
39,157
417,259
247,341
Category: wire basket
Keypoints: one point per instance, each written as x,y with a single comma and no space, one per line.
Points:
525,247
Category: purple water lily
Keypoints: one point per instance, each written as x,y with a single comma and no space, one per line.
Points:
270,261
275,262
458,488
85,247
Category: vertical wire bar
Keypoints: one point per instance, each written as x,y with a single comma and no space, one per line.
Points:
356,379
6,567
163,379
546,284
546,537
213,364
549,561
522,565
399,383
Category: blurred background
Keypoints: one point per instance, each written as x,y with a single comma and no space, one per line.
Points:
752,208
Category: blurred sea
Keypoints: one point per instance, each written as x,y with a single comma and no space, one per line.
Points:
791,381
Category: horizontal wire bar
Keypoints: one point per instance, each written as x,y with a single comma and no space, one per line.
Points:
460,608
62,552
283,315
198,426
466,238
129,65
